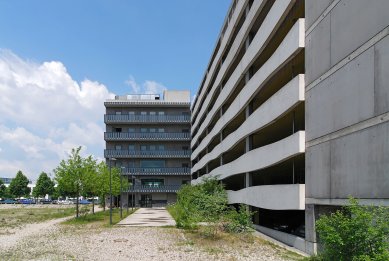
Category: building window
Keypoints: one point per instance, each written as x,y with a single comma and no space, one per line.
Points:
185,148
131,113
143,147
118,113
143,113
131,164
117,129
152,147
161,130
152,129
152,182
161,147
131,147
153,113
185,165
143,129
161,113
185,130
118,147
131,130
152,163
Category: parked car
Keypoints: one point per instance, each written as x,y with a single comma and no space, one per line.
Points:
46,201
84,202
10,201
65,202
26,201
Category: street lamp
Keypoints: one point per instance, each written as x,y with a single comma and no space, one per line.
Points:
121,198
110,189
133,192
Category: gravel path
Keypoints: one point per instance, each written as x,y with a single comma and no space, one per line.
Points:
14,236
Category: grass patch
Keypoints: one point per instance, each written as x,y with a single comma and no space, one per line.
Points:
99,218
236,244
17,217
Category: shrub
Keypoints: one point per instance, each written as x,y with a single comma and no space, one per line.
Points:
238,221
207,202
355,233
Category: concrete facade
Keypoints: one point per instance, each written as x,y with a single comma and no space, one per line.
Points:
149,138
292,114
347,98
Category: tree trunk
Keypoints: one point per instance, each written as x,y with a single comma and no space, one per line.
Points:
77,210
103,202
93,205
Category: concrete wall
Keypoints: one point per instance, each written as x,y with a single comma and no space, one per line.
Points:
347,104
279,197
176,96
288,239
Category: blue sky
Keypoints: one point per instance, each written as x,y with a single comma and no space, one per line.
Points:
166,41
59,60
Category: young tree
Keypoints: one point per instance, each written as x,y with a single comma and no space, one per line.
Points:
3,189
19,186
103,174
44,186
71,175
355,233
90,188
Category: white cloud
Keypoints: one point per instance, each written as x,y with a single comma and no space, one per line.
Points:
148,87
45,113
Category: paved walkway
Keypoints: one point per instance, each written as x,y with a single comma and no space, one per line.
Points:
149,217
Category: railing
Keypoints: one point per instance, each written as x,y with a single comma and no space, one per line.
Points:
147,153
156,171
117,118
146,136
161,188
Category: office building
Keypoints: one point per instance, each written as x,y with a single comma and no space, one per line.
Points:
148,137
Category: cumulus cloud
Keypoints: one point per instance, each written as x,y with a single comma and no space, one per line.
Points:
148,87
45,113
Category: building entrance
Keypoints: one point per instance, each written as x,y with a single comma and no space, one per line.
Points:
146,201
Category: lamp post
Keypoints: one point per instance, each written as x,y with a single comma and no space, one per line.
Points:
121,192
110,189
133,192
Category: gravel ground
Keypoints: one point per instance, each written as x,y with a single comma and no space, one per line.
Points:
51,240
59,242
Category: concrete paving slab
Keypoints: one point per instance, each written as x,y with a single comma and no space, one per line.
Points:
149,217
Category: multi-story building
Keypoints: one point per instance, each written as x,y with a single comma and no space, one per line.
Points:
248,126
278,85
148,138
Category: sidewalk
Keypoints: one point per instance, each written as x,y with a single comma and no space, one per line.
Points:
149,217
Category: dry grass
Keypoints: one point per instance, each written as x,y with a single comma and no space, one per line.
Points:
11,218
232,246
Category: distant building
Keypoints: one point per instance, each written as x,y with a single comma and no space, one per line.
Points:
148,137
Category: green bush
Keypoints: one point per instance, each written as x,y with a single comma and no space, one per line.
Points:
238,221
355,233
207,202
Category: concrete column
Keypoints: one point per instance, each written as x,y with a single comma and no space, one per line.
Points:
310,229
247,10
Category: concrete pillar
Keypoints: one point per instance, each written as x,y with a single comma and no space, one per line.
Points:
310,229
